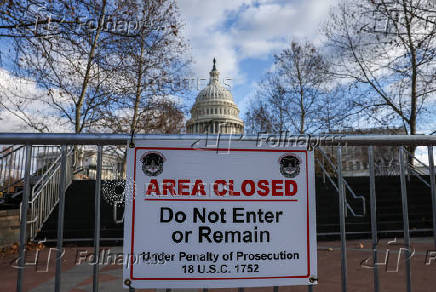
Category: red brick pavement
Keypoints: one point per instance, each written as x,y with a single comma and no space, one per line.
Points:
329,267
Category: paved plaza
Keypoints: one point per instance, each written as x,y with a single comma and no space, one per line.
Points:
78,277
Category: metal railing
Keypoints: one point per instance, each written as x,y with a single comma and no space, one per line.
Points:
347,190
44,178
45,193
12,167
120,139
45,166
416,167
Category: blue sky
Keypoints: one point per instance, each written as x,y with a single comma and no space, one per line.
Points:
243,35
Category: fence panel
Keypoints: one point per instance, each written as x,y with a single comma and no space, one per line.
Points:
42,198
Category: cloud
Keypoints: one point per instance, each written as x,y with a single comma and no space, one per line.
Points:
203,20
23,103
262,29
236,30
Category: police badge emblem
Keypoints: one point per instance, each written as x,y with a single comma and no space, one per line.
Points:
152,163
289,165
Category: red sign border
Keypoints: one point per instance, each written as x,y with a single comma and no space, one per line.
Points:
132,239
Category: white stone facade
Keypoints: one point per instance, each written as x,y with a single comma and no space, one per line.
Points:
214,110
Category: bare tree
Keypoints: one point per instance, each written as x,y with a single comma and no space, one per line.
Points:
63,55
95,59
387,49
296,96
152,61
258,118
163,116
301,68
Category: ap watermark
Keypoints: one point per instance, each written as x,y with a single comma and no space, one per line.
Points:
393,255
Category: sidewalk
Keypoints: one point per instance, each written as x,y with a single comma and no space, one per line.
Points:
78,278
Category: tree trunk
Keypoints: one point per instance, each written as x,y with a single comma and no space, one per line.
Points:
138,88
137,100
413,98
78,125
91,55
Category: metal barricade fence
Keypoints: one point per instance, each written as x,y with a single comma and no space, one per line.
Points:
101,140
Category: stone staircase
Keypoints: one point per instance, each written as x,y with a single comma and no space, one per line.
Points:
389,208
79,216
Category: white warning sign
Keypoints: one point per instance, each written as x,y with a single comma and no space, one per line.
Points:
208,217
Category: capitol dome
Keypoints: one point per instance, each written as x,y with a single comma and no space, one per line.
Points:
214,110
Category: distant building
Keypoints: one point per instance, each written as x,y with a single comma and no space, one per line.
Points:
355,158
111,167
86,164
214,110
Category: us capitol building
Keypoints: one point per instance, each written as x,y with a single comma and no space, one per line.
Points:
214,110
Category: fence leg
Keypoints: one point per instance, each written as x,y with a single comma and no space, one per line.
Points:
373,207
342,219
433,189
23,218
323,166
61,208
405,217
97,219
